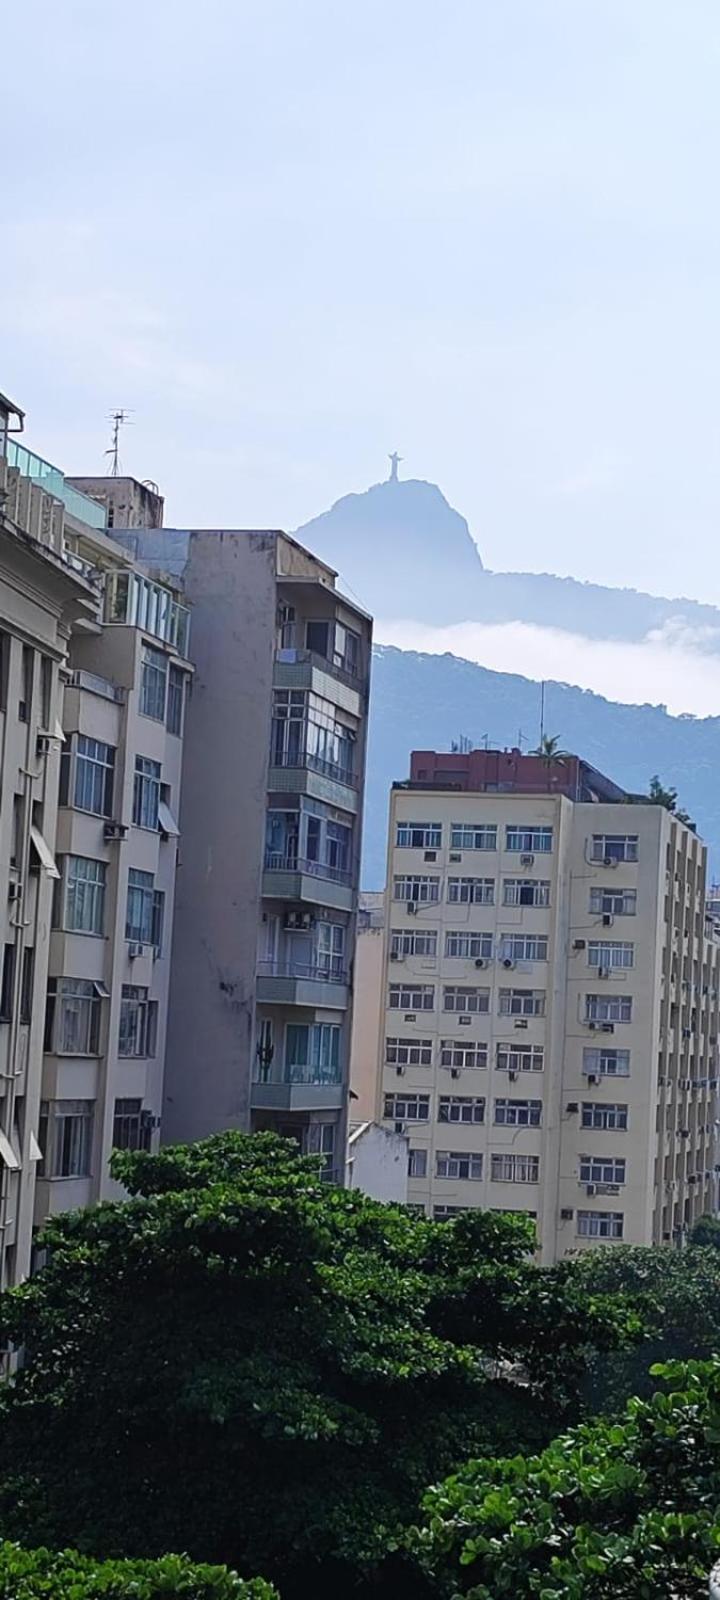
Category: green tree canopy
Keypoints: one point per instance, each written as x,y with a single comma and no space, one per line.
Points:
66,1575
245,1363
614,1510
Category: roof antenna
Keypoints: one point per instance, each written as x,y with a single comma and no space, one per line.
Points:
119,419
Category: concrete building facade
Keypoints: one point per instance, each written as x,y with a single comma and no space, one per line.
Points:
551,1006
369,979
262,982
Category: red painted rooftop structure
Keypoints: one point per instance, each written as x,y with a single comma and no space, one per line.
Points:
510,772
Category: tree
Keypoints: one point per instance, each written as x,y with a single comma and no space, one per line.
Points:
248,1364
659,796
66,1575
706,1231
614,1510
549,748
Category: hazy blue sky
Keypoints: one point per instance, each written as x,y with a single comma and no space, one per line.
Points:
296,234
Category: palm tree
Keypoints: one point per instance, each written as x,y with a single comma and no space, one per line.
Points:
548,748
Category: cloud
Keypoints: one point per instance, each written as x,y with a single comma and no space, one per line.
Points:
672,666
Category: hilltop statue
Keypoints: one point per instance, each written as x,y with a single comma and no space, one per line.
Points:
394,460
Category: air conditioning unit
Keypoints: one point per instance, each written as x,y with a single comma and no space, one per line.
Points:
399,1127
608,919
572,1107
566,1214
607,1188
465,1022
508,963
527,860
512,1074
395,955
454,1072
480,961
135,950
455,855
400,1072
593,1077
578,944
44,743
412,908
410,1016
14,889
300,921
603,972
590,1188
607,1027
521,1022
609,861
114,830
430,855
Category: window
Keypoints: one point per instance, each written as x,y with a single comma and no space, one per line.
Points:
138,1022
330,950
608,847
524,947
607,1063
307,730
175,701
602,1169
319,1140
72,1018
408,1052
407,1107
419,835
610,1116
413,944
312,1053
520,1057
514,1169
346,654
471,891
46,678
421,890
610,953
82,894
535,841
417,1163
466,1057
132,1127
473,836
87,775
600,1224
469,946
522,1003
153,684
139,917
613,902
328,843
411,997
458,1164
25,702
65,1137
526,892
132,599
518,1113
461,1108
8,984
446,1213
158,920
608,1008
333,641
458,999
146,793
26,984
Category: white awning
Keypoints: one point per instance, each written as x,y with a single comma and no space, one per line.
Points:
35,1151
7,1154
166,821
44,853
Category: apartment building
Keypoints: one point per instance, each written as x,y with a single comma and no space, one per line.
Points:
43,596
110,832
261,991
549,1036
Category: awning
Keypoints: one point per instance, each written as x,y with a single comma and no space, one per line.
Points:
44,853
7,1154
166,821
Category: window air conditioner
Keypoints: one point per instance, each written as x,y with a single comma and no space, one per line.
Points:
113,831
593,1077
410,1016
508,963
395,955
400,1072
430,855
135,950
607,920
607,1027
591,1025
465,1021
603,972
527,860
399,1127
455,855
412,908
572,1107
512,1074
454,1072
14,889
566,1214
521,1022
609,861
590,1188
480,961
578,944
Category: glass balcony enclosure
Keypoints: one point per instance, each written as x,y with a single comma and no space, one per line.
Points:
135,600
52,480
310,839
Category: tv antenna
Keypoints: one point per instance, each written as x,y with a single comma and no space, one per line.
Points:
461,746
119,419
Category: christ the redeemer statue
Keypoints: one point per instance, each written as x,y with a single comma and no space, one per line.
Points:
394,460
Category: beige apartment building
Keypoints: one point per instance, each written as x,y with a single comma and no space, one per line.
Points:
98,746
551,1010
271,817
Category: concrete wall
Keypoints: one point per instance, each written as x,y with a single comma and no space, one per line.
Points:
378,1163
369,983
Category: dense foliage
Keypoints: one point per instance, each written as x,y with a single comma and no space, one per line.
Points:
615,1510
706,1231
246,1364
47,1575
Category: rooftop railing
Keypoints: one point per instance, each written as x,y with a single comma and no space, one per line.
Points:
52,480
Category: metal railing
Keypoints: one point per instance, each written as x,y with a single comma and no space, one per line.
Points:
306,758
52,480
306,1076
280,861
317,972
290,656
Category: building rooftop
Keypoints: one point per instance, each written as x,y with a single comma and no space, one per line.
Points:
510,772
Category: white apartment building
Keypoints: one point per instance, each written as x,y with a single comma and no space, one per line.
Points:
262,982
95,992
550,1021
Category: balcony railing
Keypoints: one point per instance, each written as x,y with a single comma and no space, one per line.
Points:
306,758
280,861
52,480
291,657
318,972
307,1075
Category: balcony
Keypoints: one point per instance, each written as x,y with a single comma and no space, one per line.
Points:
289,877
323,780
295,983
52,481
297,1088
294,669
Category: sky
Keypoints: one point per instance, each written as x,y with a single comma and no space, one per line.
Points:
293,235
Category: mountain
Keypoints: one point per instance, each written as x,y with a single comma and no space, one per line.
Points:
404,552
423,702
